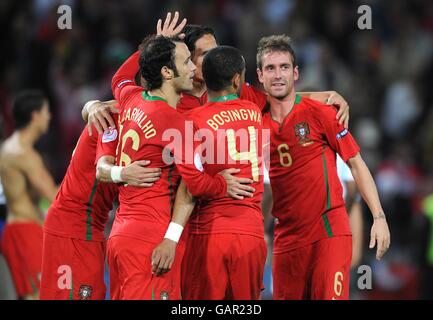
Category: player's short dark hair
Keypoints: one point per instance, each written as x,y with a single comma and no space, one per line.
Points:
193,33
157,52
272,44
220,65
26,102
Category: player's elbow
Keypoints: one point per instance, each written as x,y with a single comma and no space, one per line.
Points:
100,174
355,162
100,170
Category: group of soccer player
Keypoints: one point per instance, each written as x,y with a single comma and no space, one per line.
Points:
189,222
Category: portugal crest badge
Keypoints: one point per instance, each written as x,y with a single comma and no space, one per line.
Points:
302,131
164,295
85,292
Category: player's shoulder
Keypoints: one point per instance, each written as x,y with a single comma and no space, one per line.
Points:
195,111
309,102
130,93
12,147
133,89
249,88
166,115
248,104
28,159
317,108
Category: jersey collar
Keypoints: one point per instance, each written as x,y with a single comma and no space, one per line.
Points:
228,97
146,96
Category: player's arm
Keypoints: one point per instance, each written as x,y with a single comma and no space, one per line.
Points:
223,184
345,145
332,98
356,226
365,183
38,176
347,180
163,255
125,76
136,174
351,194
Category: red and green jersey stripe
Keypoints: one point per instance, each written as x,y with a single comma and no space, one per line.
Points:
328,196
89,211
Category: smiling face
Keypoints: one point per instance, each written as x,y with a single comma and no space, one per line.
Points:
185,68
277,74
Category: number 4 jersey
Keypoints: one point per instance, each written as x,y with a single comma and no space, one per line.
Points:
307,193
231,131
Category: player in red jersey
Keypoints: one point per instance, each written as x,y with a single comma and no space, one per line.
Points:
312,246
148,121
74,240
25,181
226,251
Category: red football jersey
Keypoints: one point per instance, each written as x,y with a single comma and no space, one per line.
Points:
150,129
189,102
232,138
307,192
80,209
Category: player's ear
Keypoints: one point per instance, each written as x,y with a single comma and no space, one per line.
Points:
259,75
236,81
167,73
296,73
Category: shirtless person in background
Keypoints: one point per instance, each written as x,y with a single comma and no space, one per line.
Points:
25,181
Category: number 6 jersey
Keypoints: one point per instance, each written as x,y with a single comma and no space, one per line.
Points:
307,193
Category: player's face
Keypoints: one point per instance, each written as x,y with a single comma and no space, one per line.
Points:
278,75
43,117
185,69
202,46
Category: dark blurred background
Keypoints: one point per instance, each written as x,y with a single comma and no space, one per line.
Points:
386,75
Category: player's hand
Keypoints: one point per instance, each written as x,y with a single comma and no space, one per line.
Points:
136,174
169,28
343,108
380,235
99,115
237,188
163,257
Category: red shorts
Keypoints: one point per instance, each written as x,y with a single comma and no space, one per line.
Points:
22,249
223,266
131,278
72,269
319,271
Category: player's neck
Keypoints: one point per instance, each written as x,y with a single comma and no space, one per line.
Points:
27,136
198,89
280,108
215,95
168,93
